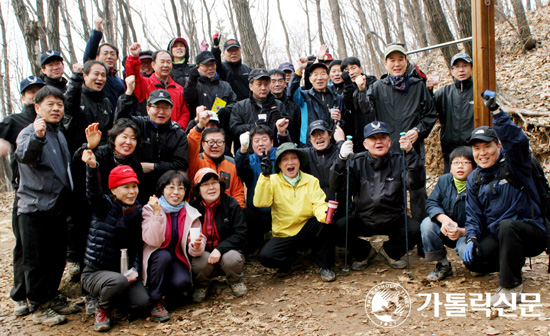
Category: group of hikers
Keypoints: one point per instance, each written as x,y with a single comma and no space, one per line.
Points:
135,183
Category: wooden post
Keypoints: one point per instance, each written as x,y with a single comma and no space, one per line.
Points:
483,45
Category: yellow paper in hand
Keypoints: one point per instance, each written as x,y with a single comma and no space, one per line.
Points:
218,104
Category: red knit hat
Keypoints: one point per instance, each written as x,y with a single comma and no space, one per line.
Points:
121,175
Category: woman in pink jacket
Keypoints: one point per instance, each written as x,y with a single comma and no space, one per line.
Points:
165,231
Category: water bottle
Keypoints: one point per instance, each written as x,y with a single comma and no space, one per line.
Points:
123,261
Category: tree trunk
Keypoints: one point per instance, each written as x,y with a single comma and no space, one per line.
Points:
440,28
229,10
385,21
285,31
67,25
7,107
464,16
336,22
43,38
400,28
128,17
125,33
249,43
176,17
109,35
306,10
30,30
319,21
538,3
190,27
375,60
53,25
415,13
208,21
523,25
84,19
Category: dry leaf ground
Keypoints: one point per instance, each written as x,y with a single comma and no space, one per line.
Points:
302,304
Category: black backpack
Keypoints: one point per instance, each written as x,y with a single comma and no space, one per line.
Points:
541,184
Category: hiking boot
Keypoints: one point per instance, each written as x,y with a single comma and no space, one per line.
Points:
200,294
440,272
73,268
393,263
238,288
44,314
477,274
361,265
159,312
102,320
503,296
327,275
62,306
89,304
21,308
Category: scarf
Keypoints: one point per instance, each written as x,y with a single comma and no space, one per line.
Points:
400,83
209,228
120,160
169,208
460,185
129,212
293,180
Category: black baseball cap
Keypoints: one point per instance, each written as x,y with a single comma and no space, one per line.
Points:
29,81
231,43
49,56
257,74
318,125
317,65
160,96
146,54
204,57
483,134
286,66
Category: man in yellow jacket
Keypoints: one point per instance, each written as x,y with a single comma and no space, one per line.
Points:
298,211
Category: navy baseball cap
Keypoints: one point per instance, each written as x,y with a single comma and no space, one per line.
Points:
49,56
31,80
483,134
461,56
160,96
286,66
375,127
318,125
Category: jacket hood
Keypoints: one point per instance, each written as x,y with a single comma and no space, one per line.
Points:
171,43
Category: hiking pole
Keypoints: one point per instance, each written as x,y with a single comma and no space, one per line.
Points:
346,269
405,203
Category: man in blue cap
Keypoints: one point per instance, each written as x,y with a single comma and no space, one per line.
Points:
52,68
9,129
376,185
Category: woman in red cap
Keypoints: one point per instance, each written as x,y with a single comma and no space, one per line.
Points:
167,222
225,230
114,248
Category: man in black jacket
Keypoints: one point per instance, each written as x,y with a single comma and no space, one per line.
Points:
52,68
404,103
278,89
232,70
165,143
376,183
9,129
204,86
455,106
261,107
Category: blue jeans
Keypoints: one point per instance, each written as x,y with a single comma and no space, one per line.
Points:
434,242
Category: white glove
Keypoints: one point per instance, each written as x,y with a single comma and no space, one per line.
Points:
131,274
346,149
244,140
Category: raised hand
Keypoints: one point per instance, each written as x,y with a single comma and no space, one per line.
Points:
39,127
302,64
88,157
204,116
266,165
77,68
244,139
216,40
321,52
130,84
282,125
135,49
93,135
361,82
98,22
154,204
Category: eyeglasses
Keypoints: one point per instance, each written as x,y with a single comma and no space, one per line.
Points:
161,107
211,184
171,188
463,163
260,139
211,143
464,66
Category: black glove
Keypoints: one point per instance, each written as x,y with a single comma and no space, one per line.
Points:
224,115
345,76
267,167
216,40
489,99
194,73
